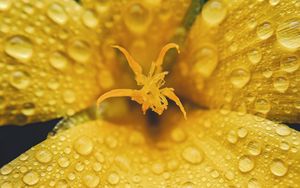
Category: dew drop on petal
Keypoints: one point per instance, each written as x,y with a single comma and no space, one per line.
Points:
288,33
84,145
264,30
262,105
19,47
192,155
91,180
57,13
19,79
80,51
245,164
90,19
290,63
214,12
43,156
254,56
239,78
113,178
253,183
31,178
278,168
254,148
283,130
58,60
5,4
281,84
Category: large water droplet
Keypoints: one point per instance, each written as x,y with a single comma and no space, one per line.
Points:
57,13
58,60
80,51
288,33
281,84
113,178
283,130
254,148
232,137
245,164
5,4
214,12
28,109
253,183
188,184
254,56
137,18
192,155
265,30
5,170
89,19
61,184
43,156
69,96
91,180
19,47
19,79
262,105
239,78
84,145
206,61
31,178
63,162
290,63
278,168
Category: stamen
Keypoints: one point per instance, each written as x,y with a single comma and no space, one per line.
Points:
150,95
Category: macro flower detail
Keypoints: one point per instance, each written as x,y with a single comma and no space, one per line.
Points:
150,95
237,78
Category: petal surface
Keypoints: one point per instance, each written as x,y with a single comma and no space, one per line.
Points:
244,56
211,149
143,27
50,64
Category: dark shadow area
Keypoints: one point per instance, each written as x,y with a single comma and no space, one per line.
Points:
15,140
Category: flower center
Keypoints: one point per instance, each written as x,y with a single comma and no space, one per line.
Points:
152,94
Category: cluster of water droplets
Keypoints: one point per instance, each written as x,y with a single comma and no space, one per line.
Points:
192,153
47,60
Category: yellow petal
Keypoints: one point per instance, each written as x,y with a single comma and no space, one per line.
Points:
209,150
142,27
244,56
50,62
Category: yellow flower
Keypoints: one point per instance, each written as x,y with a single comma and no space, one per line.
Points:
240,60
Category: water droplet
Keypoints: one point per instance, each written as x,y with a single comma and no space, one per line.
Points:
137,18
254,56
89,19
158,168
290,63
91,180
288,33
242,132
283,130
19,79
254,148
284,146
253,183
278,168
57,13
206,60
245,164
79,51
97,167
58,60
192,155
239,78
264,30
122,162
188,184
229,175
84,145
61,184
63,162
31,178
178,135
28,109
214,12
113,178
262,106
5,170
7,184
214,174
69,96
5,4
43,156
232,137
281,84
19,47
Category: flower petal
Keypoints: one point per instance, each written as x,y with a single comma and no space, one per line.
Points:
244,56
50,65
211,149
142,27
